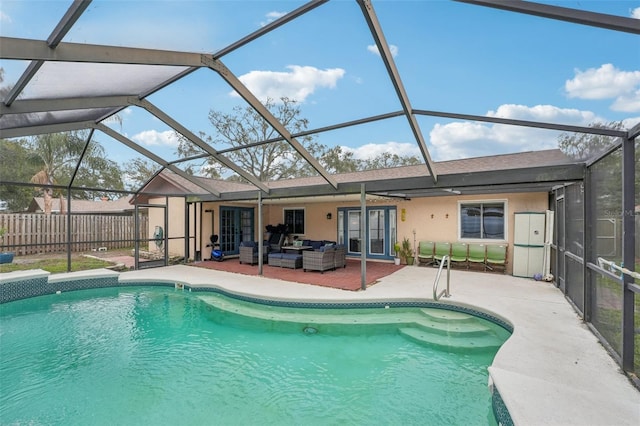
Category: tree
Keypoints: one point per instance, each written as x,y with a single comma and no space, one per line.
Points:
4,90
58,155
338,160
606,174
387,160
583,146
17,164
244,129
97,171
138,172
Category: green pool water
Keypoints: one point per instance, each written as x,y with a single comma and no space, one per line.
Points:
159,356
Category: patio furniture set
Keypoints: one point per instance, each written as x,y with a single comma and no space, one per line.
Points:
310,255
487,256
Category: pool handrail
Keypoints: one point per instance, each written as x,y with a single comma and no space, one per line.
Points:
445,292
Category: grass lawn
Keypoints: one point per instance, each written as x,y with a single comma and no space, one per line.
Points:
57,265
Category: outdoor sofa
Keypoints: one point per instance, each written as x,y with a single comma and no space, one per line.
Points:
326,255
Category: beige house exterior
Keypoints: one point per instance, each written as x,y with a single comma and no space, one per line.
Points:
432,219
418,213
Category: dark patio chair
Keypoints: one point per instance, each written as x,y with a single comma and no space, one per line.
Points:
321,260
340,260
249,252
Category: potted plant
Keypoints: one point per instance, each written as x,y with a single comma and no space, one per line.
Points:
5,257
396,248
406,251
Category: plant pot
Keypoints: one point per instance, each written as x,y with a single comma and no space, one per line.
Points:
6,257
396,260
410,260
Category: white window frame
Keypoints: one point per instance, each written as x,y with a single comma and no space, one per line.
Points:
505,202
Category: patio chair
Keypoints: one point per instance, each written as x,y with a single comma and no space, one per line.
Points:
321,260
340,259
460,253
425,252
477,254
275,242
249,252
441,250
496,257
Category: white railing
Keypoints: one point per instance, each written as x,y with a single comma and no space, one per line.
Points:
444,292
613,267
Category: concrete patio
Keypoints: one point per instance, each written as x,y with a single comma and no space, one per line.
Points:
552,371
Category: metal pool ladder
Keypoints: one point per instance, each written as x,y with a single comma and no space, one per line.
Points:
445,292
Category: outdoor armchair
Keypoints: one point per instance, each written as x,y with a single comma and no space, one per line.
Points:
320,260
249,252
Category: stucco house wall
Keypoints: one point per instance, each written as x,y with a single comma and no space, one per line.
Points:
175,230
432,218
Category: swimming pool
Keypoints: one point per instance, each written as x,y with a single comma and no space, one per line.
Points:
155,355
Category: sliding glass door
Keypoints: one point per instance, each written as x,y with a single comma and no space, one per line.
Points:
236,225
379,232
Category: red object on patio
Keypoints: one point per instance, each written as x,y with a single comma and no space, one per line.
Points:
343,278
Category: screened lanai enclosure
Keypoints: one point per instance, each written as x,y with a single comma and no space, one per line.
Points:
294,103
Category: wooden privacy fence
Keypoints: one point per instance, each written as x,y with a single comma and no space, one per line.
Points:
40,233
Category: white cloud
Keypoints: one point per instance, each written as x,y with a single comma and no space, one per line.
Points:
373,150
471,139
374,49
271,16
607,82
627,103
630,122
153,137
635,13
297,84
546,113
5,18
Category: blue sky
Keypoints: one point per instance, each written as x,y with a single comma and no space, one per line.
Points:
451,56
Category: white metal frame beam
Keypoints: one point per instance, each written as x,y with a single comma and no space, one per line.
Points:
73,13
385,53
28,49
162,116
131,144
250,98
26,106
23,131
577,16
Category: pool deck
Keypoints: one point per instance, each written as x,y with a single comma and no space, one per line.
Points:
552,371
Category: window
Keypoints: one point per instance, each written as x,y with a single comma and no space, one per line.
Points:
484,220
294,218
